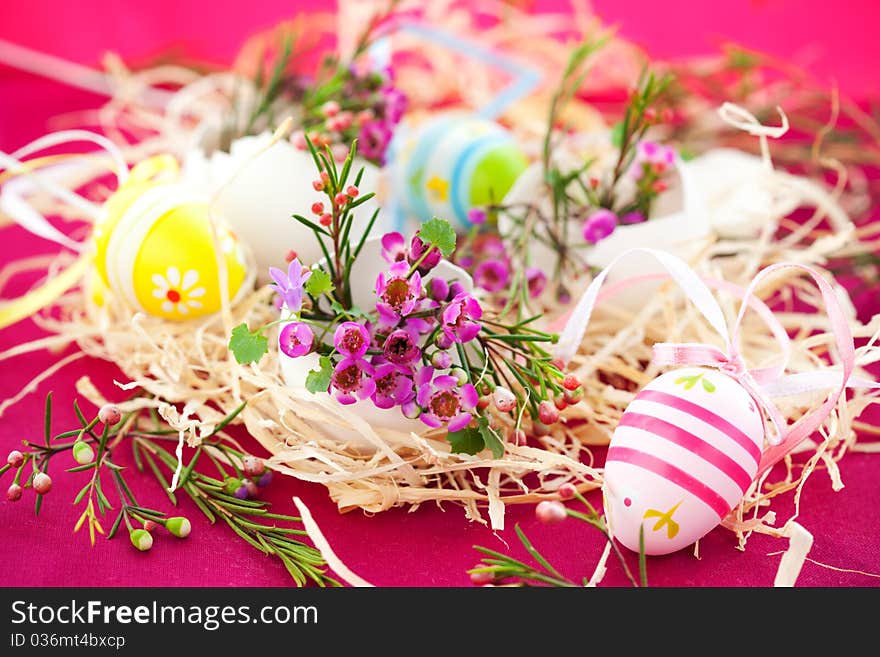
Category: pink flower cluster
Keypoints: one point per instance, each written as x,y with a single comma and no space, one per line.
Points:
490,264
403,355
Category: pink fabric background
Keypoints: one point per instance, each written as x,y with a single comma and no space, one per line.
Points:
432,546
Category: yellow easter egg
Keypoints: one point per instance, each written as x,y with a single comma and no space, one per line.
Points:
155,246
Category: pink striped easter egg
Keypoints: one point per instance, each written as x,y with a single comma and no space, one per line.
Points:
684,453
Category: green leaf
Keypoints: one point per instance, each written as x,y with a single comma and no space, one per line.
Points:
490,438
248,347
319,283
319,380
440,233
617,134
466,441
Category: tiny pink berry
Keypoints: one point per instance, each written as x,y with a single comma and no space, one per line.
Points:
252,489
547,412
483,403
571,382
505,401
298,139
291,256
344,120
550,512
317,207
365,115
42,483
567,491
252,466
109,414
330,108
150,525
340,199
481,579
557,363
560,403
520,438
352,191
572,397
325,177
15,458
540,428
325,220
13,493
318,185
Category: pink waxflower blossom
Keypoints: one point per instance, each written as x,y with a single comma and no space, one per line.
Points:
536,279
492,275
394,386
393,247
459,318
373,140
417,249
352,380
477,216
599,225
398,295
296,339
651,155
290,286
401,348
443,401
351,339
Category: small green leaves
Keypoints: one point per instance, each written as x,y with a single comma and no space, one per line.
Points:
319,283
319,380
617,134
472,440
439,233
466,441
247,346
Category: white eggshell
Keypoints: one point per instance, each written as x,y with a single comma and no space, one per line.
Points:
267,190
684,453
363,279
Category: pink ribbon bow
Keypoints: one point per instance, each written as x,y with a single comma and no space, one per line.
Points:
758,382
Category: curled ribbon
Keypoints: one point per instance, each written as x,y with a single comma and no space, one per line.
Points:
762,384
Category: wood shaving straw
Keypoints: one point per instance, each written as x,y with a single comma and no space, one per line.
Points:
187,365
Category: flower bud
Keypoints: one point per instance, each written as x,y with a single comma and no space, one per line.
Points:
231,485
13,493
15,458
560,403
83,452
519,437
265,479
241,492
109,414
141,539
441,360
411,410
460,375
481,579
504,399
572,397
539,428
42,483
547,412
550,512
179,526
571,382
438,289
253,466
252,490
150,525
567,491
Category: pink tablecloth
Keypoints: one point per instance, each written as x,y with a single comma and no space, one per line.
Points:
431,546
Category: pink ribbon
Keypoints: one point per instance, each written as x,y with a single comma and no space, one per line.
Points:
757,382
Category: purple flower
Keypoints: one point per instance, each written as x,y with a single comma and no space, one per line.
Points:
401,348
651,155
373,139
492,275
443,401
634,217
599,225
351,339
441,360
395,102
438,289
296,339
459,317
536,280
352,380
397,294
417,249
290,286
393,247
394,386
489,246
476,216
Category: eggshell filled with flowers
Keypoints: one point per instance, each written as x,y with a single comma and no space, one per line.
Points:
155,246
371,397
450,164
684,453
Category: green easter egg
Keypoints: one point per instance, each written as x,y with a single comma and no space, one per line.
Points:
495,174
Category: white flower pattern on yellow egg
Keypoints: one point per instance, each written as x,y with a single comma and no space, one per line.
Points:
179,292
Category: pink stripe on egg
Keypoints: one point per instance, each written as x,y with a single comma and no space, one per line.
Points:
706,416
672,474
694,444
